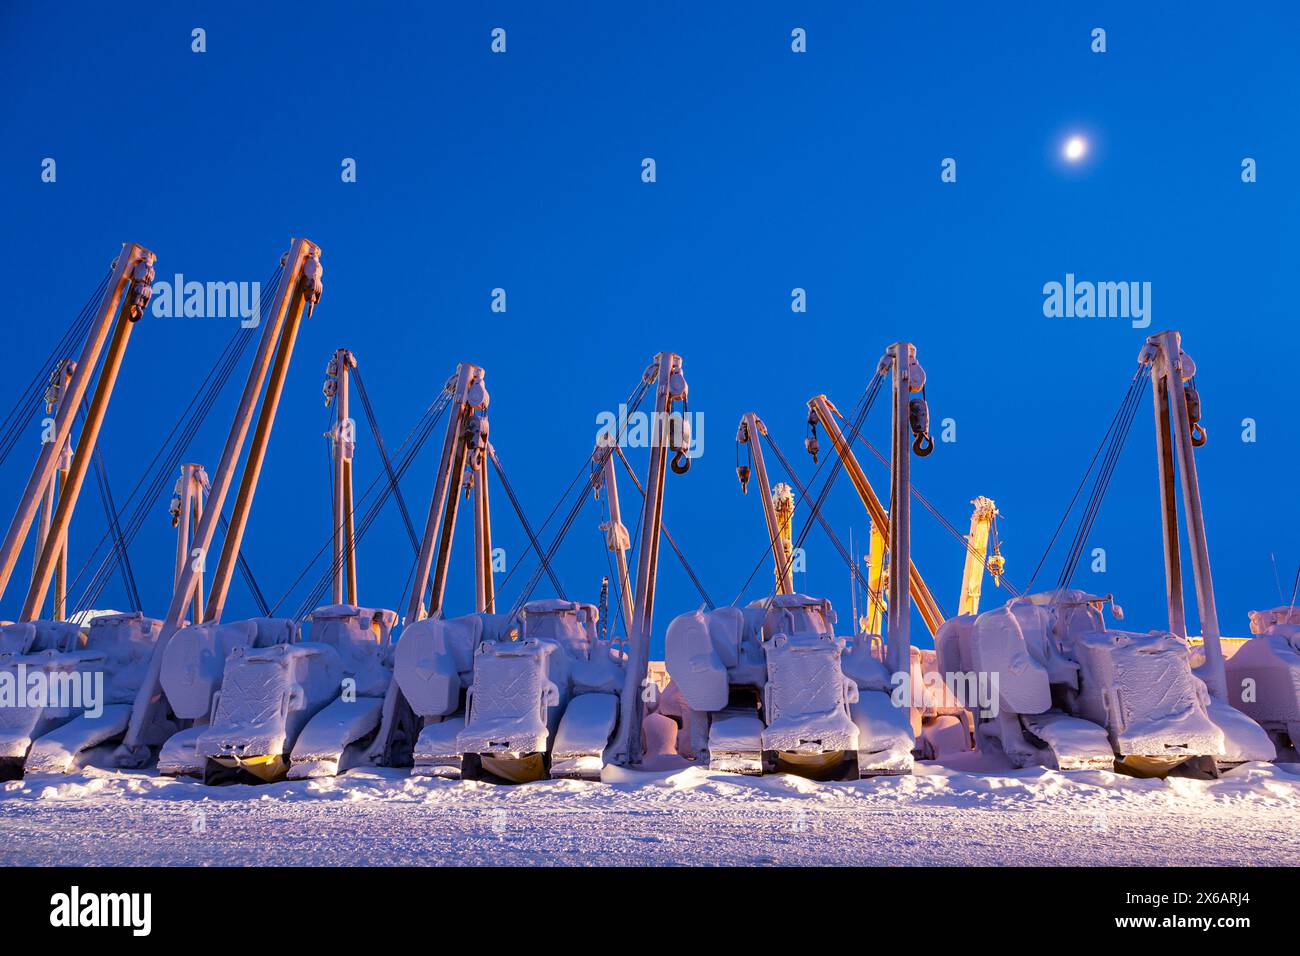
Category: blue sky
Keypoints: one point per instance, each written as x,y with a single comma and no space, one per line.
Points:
775,170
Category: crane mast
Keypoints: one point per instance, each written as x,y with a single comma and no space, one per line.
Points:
670,388
1178,433
484,583
298,289
125,298
616,536
343,439
875,582
907,377
59,380
977,546
187,511
465,441
778,508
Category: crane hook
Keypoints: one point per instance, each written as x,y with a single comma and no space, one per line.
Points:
919,418
1193,400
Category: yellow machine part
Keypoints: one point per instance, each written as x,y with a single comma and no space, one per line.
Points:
270,768
1140,766
814,766
875,582
1230,645
523,769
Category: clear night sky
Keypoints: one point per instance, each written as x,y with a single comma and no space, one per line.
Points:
775,170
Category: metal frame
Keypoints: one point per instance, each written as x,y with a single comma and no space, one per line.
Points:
124,298
751,427
1171,367
299,288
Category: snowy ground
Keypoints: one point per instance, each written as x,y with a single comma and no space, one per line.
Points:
939,815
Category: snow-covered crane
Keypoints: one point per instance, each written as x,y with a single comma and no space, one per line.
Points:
777,501
50,735
331,685
178,701
769,686
1262,678
1075,694
534,691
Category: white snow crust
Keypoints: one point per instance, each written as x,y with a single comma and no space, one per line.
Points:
970,812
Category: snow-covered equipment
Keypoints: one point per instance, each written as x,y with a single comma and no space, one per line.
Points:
538,690
520,698
941,722
52,668
154,720
72,691
770,687
1178,434
264,704
1264,675
192,674
339,735
1075,694
268,695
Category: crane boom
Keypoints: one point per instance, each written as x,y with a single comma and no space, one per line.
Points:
1178,432
825,414
977,545
778,523
298,289
670,388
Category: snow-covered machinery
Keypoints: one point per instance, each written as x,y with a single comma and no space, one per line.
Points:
942,723
339,735
180,708
71,688
193,671
68,684
301,708
265,704
305,708
1264,676
536,691
519,697
1073,694
1067,692
770,687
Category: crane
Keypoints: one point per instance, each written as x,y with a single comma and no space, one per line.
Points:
49,738
769,686
1234,708
1063,671
124,301
155,719
777,501
536,691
